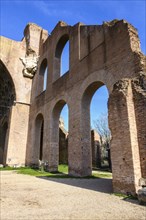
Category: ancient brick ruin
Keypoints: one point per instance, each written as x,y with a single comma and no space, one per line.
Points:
107,54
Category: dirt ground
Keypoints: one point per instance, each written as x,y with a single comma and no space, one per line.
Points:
26,197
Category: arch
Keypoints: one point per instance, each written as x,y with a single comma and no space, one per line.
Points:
7,91
63,135
98,77
7,98
55,133
100,137
89,92
38,143
57,59
43,75
85,104
6,69
85,117
60,45
65,59
55,119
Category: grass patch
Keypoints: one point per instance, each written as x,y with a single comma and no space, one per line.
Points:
120,195
124,196
36,172
62,172
8,168
63,168
102,174
31,171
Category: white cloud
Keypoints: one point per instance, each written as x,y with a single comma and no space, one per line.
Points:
51,9
43,7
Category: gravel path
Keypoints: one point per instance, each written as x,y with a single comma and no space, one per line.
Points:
26,197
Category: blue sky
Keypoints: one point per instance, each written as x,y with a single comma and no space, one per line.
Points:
14,16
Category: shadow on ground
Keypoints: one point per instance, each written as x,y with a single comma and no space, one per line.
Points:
100,185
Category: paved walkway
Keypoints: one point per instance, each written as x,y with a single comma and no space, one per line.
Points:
26,197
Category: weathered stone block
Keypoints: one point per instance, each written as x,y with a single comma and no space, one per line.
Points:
142,196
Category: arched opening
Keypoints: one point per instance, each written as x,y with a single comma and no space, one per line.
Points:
60,135
94,105
43,76
65,59
63,136
41,142
38,143
61,60
100,135
7,98
45,79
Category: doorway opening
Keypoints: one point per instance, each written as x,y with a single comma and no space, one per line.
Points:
100,133
95,110
39,135
60,135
